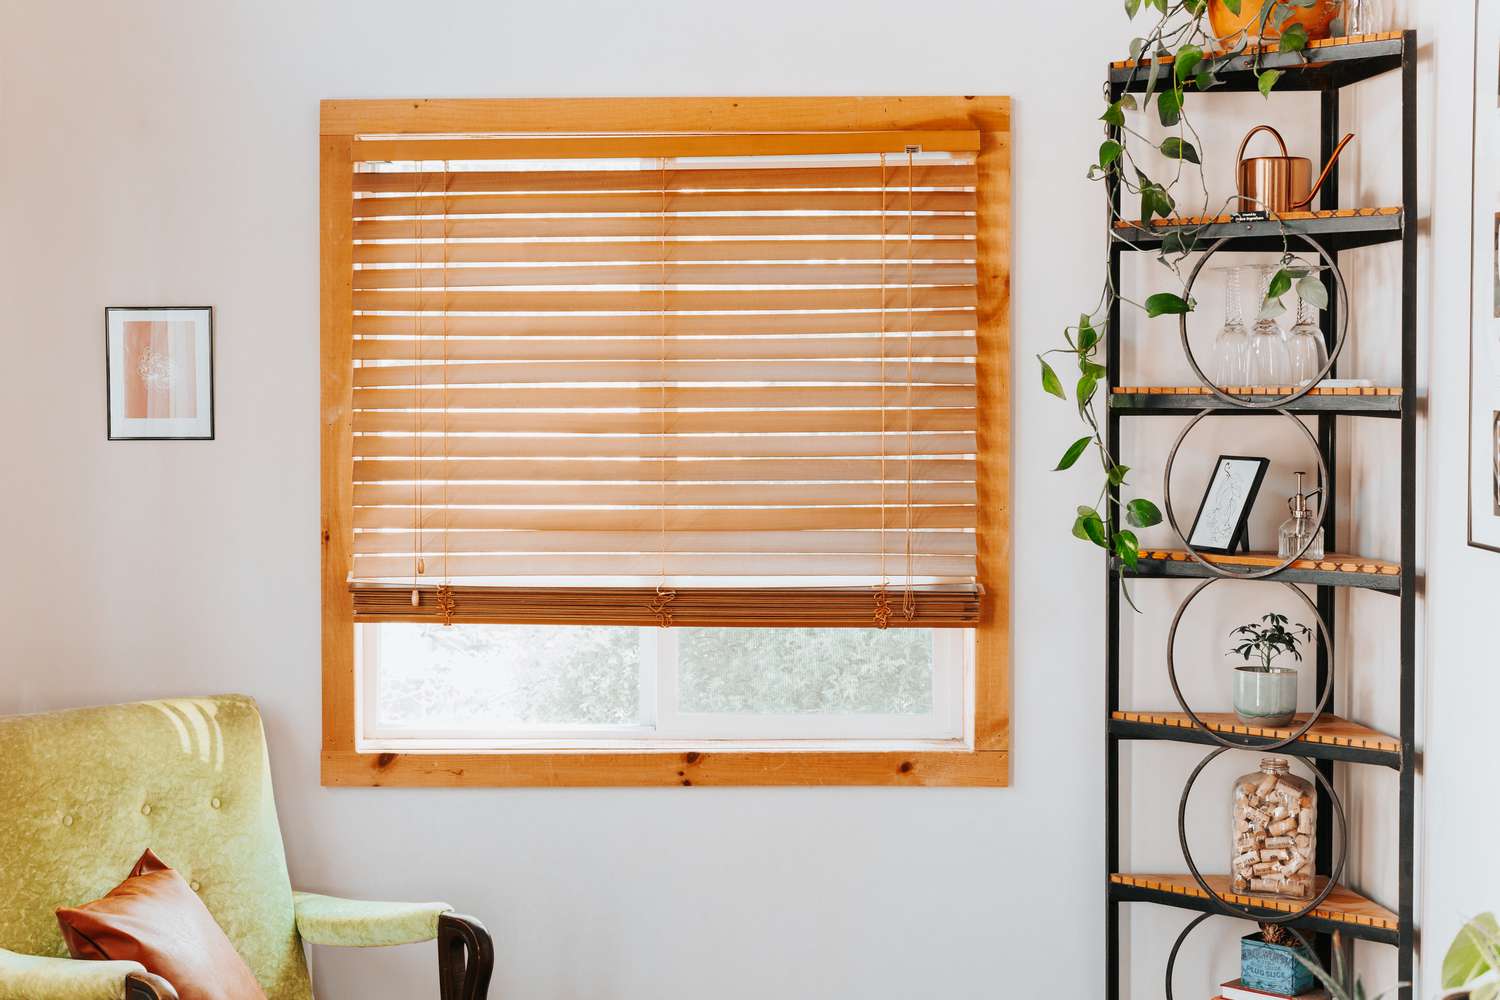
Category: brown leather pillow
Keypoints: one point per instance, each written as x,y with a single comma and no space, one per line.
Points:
156,919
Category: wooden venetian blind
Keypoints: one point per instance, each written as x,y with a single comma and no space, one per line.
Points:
714,379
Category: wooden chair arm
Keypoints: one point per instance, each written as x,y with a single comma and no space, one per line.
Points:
466,957
146,986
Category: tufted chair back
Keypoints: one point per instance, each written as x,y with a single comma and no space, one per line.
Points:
84,792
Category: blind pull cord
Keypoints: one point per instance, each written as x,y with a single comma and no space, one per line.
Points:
882,599
660,604
909,599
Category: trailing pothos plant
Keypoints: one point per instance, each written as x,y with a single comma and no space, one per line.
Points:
1178,56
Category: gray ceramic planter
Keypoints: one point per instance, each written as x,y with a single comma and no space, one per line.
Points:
1263,698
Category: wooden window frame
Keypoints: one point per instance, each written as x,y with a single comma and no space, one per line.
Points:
987,763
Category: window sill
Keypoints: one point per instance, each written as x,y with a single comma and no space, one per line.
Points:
660,768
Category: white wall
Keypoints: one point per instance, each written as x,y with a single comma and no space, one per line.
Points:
164,152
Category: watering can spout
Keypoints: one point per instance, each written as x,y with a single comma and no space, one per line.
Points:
1327,169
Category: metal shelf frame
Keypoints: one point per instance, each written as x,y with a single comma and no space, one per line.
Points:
1325,70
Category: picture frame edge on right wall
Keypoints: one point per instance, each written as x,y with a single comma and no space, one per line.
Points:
1483,466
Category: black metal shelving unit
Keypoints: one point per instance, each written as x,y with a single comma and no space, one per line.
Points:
1326,68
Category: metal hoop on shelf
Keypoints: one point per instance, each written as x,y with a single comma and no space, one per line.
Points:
1219,738
1177,946
1244,913
1166,495
1241,402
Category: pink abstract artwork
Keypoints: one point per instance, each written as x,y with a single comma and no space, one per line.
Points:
161,369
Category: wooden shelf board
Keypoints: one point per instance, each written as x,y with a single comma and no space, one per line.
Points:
1178,221
1343,905
1331,563
1330,730
1313,46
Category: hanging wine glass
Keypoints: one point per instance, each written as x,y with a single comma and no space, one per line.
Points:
1268,362
1232,344
1307,351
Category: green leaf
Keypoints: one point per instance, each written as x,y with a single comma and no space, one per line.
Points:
1050,382
1127,101
1313,292
1142,513
1267,81
1177,149
1087,385
1178,242
1187,60
1095,369
1070,457
1166,304
1127,548
1169,107
1271,308
1233,6
1132,7
1116,476
1087,335
1205,80
1113,115
1281,283
1293,38
1465,961
1091,528
1109,152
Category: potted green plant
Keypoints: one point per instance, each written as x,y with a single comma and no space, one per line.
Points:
1265,694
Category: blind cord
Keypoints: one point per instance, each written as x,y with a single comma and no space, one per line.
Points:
882,599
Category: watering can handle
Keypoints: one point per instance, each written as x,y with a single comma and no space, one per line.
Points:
1326,171
1240,157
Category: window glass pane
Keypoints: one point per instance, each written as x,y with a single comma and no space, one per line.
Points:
465,676
785,671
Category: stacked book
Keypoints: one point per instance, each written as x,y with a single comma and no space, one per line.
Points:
1235,989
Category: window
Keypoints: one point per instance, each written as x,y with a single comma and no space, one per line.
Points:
656,450
566,686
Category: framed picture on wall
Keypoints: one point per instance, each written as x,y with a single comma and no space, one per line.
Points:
1484,322
1220,526
159,373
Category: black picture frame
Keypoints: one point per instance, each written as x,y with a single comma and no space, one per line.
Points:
109,375
1239,536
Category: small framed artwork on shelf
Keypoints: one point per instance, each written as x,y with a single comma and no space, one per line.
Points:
159,373
1220,526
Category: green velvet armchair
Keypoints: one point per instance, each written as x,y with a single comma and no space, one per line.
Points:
84,792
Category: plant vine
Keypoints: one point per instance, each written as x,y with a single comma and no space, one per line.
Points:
1179,55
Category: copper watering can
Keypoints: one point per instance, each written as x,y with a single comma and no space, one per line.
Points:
1279,184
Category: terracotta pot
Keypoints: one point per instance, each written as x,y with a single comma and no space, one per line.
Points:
1228,25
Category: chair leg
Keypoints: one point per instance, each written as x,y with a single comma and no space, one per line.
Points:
466,957
145,986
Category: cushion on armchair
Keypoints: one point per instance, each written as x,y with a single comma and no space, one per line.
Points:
156,919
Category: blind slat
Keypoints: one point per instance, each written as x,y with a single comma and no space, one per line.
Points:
586,252
574,494
650,349
378,470
892,275
772,300
588,227
924,175
587,424
597,372
467,542
675,564
553,147
672,519
657,326
452,206
698,397
895,444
